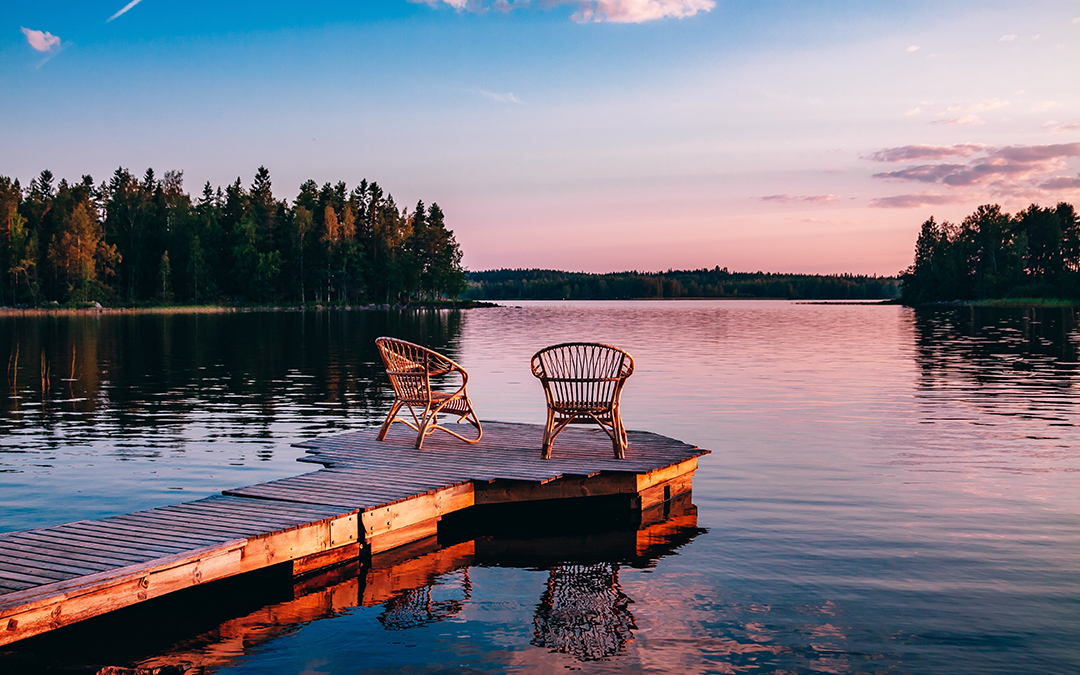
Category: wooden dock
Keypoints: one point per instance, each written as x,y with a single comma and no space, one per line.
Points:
368,498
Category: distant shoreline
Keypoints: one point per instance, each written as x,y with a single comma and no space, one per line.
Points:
232,309
456,304
505,302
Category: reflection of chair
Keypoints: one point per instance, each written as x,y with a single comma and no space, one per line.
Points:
582,382
411,368
584,612
415,607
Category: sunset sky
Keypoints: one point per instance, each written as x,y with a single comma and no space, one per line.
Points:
593,135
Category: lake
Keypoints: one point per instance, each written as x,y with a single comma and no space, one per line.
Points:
890,490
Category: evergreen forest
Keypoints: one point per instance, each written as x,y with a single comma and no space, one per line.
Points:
992,255
135,241
718,282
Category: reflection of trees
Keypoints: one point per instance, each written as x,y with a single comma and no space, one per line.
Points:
163,371
988,346
415,606
583,612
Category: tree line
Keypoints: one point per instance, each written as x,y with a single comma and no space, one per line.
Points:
990,254
718,282
133,240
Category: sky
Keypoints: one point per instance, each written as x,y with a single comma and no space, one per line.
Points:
585,135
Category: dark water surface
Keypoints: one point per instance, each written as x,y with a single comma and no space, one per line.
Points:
889,490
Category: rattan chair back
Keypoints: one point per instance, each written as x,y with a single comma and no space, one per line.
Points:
583,383
411,368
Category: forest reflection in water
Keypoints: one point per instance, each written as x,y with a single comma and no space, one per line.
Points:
890,489
191,403
115,364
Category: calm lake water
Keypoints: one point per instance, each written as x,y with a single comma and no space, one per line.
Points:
889,490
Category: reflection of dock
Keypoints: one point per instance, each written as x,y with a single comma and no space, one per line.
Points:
395,578
370,497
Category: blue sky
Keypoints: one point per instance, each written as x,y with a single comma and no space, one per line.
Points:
595,135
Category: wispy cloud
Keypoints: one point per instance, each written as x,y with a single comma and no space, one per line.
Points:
913,48
915,201
500,98
801,199
966,119
1039,106
924,173
1061,183
981,106
1006,171
637,11
595,11
123,10
912,153
1006,38
42,41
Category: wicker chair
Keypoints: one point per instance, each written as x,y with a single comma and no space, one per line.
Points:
582,382
411,368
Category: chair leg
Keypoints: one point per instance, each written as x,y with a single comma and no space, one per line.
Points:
618,438
545,449
472,419
389,420
428,421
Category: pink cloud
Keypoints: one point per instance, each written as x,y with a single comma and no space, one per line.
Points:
925,173
910,153
638,11
1061,183
801,199
1013,170
982,106
1037,153
1039,106
596,11
915,201
42,41
966,119
472,5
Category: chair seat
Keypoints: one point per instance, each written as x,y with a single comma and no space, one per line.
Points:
453,403
581,407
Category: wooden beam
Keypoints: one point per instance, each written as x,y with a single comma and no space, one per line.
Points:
383,520
50,606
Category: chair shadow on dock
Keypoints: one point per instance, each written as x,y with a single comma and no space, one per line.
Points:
583,612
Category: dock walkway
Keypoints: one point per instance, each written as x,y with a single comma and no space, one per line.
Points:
369,497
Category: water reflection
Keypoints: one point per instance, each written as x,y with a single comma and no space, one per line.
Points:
195,403
584,612
415,606
581,612
997,390
1033,347
890,490
134,368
